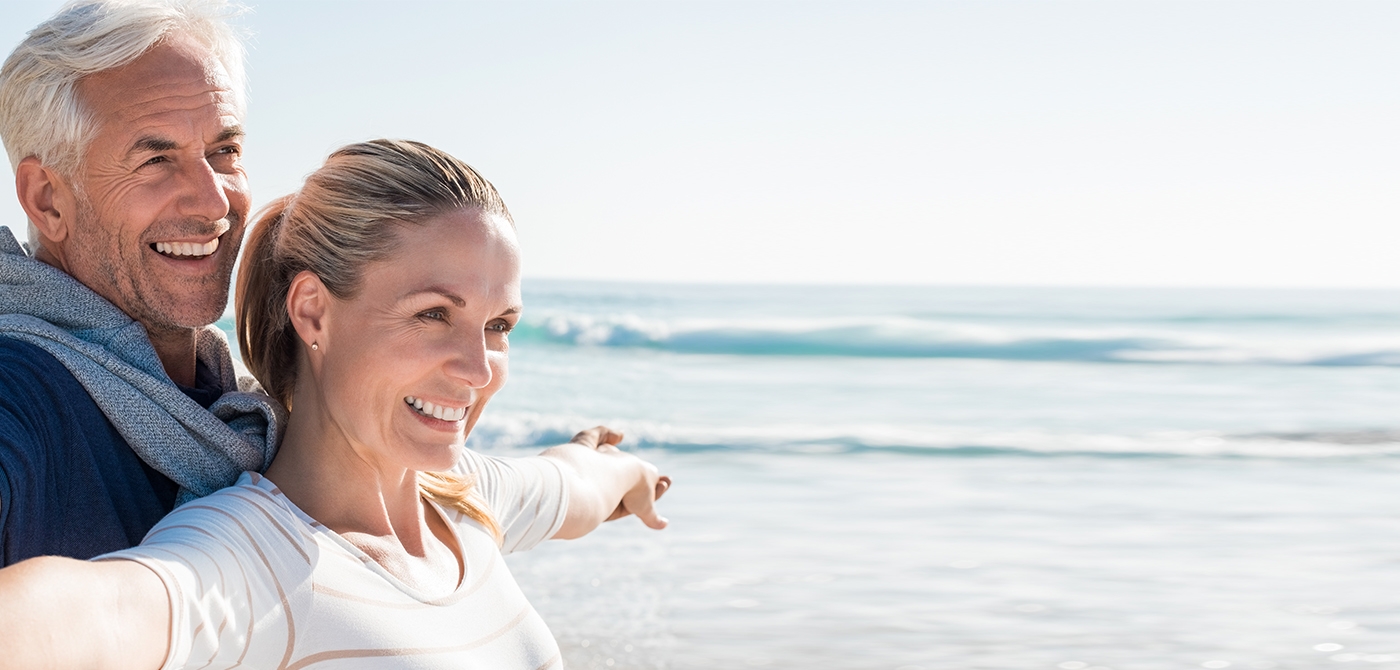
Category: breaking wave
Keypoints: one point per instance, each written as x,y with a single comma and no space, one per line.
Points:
899,337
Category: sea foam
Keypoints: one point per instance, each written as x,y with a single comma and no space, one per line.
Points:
517,431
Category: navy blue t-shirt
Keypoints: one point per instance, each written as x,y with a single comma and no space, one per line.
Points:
70,485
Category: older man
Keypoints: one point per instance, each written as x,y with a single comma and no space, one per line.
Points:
123,124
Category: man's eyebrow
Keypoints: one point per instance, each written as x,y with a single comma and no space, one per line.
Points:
155,144
152,144
230,133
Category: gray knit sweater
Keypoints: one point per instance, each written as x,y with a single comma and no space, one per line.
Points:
110,355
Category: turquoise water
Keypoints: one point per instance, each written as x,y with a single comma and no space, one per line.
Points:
953,478
947,371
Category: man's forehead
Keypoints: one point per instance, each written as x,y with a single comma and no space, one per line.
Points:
156,127
162,113
173,59
176,82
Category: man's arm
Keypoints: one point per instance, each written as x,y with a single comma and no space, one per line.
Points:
605,483
61,613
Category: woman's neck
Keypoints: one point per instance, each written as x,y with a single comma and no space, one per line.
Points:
376,507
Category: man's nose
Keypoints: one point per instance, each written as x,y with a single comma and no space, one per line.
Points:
470,362
202,193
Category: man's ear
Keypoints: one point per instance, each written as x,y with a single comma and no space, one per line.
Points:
47,200
307,303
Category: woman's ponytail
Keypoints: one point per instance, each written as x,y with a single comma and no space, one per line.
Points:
265,334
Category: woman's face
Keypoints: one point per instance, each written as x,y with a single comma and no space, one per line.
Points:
409,363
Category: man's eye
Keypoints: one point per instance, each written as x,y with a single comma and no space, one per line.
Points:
156,159
233,150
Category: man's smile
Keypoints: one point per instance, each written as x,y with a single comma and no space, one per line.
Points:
186,249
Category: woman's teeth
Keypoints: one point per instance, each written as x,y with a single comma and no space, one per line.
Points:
436,411
187,248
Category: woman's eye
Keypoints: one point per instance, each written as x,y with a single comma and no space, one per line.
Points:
434,314
500,327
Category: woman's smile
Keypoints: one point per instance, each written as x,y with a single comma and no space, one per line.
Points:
441,417
436,411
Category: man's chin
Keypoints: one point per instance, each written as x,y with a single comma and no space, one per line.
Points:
171,318
203,319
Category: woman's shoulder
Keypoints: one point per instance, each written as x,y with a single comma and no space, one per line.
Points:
251,513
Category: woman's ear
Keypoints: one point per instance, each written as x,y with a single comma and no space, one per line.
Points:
307,303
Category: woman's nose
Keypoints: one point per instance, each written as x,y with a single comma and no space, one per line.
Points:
470,363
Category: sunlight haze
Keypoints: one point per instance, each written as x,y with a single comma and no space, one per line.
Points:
1005,143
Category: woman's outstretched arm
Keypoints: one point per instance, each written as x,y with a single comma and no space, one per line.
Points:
606,483
60,613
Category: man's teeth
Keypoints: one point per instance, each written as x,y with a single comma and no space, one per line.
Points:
436,411
187,248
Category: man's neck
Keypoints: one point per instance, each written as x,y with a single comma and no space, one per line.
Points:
42,253
176,351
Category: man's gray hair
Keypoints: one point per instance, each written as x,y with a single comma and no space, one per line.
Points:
41,114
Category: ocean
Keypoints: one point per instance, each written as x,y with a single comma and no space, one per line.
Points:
925,478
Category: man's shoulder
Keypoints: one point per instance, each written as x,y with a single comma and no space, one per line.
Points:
35,385
28,369
44,410
69,483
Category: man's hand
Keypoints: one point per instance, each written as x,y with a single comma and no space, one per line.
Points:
604,439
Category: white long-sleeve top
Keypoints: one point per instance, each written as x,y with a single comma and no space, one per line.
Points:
254,582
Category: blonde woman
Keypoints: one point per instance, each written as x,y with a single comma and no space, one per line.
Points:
377,304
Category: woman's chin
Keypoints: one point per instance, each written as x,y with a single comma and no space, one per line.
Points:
444,458
426,453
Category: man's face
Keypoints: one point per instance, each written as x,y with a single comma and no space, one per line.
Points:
162,200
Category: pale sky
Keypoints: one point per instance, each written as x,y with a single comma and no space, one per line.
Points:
1014,143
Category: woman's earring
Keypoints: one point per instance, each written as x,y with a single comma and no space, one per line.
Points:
315,346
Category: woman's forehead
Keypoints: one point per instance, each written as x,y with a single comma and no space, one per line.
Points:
471,226
464,257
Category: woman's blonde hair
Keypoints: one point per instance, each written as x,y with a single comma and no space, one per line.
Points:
345,217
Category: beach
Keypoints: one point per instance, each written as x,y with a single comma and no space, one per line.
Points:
953,478
893,561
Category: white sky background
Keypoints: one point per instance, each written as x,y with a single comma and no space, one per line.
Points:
1025,143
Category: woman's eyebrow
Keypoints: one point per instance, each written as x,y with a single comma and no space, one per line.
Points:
437,290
